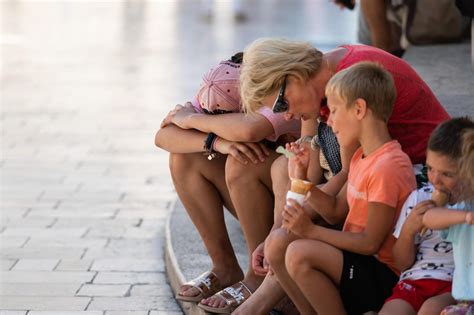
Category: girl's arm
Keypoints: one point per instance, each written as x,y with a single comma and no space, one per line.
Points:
442,218
176,140
238,127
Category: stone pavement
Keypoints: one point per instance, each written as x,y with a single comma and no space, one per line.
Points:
84,192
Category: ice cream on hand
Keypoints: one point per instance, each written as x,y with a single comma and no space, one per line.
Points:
440,198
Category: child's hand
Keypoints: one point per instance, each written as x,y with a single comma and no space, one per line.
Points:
295,219
259,263
179,116
470,218
414,222
298,165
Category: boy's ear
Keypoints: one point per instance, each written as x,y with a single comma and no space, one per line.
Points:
360,106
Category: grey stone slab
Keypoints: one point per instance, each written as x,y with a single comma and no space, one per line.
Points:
151,290
7,264
46,277
134,304
36,264
67,242
49,304
63,312
126,313
13,312
156,265
130,278
103,290
12,241
39,289
42,252
45,232
74,265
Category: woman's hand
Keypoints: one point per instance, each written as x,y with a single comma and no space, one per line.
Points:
295,219
180,116
298,165
243,152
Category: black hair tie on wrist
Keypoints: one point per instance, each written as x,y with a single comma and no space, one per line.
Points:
211,137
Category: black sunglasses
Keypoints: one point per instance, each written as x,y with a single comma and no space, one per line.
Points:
281,104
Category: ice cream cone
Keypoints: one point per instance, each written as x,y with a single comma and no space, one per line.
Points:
300,186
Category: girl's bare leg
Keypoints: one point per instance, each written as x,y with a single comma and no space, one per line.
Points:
251,192
275,249
316,267
201,186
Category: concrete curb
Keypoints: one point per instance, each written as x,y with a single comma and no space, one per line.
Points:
173,271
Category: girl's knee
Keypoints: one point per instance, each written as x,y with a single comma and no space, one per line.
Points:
276,245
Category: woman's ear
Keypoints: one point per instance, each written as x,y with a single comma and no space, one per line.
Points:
360,106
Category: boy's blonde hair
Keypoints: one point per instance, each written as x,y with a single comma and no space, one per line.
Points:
267,61
368,81
466,163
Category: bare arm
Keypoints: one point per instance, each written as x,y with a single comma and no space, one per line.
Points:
332,208
366,242
176,140
238,127
442,218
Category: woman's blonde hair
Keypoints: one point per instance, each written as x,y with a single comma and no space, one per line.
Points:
466,163
267,61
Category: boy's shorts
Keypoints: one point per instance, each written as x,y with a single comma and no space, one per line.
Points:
365,283
416,292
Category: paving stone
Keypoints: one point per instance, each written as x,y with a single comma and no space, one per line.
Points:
39,289
134,304
74,265
42,253
49,304
126,312
165,313
46,276
128,265
129,277
12,241
44,232
13,312
36,264
7,264
103,290
151,290
65,312
76,242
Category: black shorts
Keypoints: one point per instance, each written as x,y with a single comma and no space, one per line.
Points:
365,283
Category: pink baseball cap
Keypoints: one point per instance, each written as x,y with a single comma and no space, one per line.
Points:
219,90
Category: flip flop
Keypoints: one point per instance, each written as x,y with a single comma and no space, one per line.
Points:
233,296
207,284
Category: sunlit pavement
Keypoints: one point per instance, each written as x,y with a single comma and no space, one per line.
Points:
84,86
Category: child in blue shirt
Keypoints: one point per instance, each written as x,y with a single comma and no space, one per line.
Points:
459,230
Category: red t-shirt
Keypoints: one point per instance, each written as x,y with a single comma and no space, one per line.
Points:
416,111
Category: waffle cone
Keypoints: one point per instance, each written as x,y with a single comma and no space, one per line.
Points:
300,186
